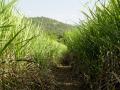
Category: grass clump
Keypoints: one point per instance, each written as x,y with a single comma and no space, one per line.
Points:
26,52
96,47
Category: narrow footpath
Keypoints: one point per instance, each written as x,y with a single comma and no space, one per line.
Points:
64,79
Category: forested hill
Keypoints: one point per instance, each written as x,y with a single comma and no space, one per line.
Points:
50,25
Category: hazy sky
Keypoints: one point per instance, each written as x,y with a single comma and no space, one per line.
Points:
68,11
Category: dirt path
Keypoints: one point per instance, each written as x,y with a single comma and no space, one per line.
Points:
64,79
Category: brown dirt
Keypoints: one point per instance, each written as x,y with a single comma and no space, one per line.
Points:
64,79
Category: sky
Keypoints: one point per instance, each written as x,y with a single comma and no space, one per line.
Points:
67,11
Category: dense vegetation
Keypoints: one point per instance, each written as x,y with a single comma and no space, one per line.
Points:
28,52
95,46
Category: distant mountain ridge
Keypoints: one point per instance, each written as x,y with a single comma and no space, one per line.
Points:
51,26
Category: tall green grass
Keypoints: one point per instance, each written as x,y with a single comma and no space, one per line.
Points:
26,52
96,47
